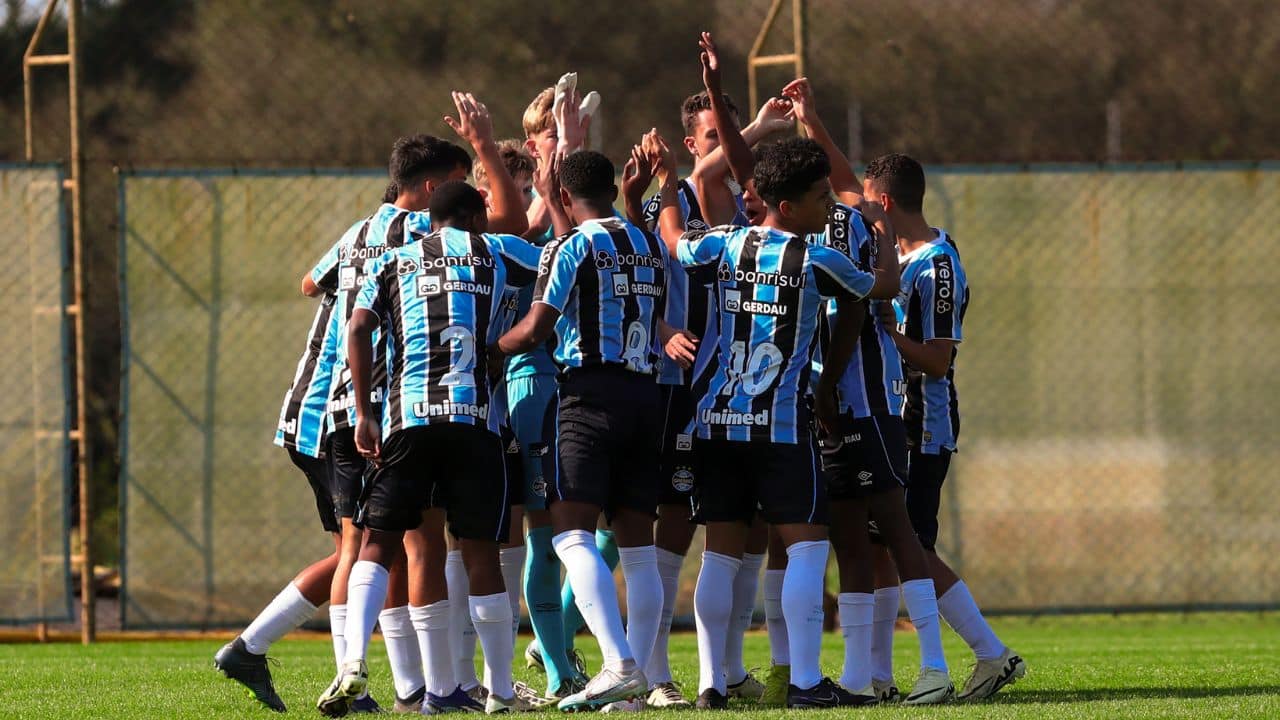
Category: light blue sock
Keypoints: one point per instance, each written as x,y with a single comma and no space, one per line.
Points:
573,621
542,596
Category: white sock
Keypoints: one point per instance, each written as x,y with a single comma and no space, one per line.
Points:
745,584
774,622
962,614
338,629
287,611
431,623
594,593
886,616
712,609
857,612
491,615
512,562
462,634
922,607
658,669
802,608
644,599
366,592
402,650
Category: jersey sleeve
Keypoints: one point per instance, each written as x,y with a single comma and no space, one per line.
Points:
520,257
558,269
836,276
941,291
699,253
325,272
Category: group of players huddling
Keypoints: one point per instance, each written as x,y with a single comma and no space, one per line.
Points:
765,347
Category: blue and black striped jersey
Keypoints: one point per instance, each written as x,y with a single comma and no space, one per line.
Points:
770,290
388,228
934,298
439,299
872,383
303,423
607,278
688,307
303,426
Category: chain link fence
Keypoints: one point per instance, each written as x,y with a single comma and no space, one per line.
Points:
35,469
331,84
215,518
1118,449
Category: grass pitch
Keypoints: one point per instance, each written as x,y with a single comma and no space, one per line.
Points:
1137,666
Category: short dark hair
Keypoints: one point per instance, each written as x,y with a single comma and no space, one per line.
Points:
787,169
391,193
695,104
901,178
587,175
455,202
415,158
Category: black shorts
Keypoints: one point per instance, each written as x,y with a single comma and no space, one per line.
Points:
459,466
866,456
317,472
926,474
676,474
347,467
783,482
607,428
513,466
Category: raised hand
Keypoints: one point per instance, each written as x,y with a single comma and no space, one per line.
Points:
660,155
800,93
637,173
572,114
710,64
474,123
546,179
776,114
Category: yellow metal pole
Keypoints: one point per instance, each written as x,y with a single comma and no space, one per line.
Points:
88,622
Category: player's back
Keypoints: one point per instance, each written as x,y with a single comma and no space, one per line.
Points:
770,289
443,295
872,383
607,279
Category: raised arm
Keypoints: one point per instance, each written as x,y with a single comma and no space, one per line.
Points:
476,127
718,203
546,180
844,182
736,149
637,174
888,274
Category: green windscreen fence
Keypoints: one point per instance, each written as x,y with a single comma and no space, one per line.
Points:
35,460
1120,438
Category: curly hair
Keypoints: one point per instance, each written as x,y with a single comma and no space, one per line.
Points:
787,169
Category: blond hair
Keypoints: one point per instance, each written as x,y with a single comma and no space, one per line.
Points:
514,157
537,117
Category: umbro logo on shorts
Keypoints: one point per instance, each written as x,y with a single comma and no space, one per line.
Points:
865,477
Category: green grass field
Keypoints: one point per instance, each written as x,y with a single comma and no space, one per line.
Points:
1139,666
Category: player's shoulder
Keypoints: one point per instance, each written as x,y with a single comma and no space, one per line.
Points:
826,255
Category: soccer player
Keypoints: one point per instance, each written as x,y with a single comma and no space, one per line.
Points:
753,423
864,453
436,438
531,389
600,291
522,168
934,297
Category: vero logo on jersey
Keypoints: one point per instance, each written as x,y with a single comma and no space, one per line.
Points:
943,284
